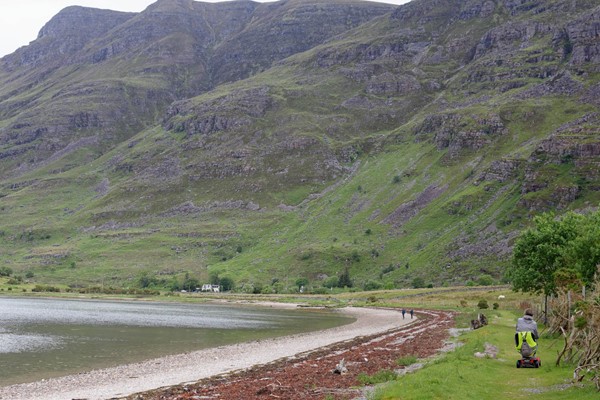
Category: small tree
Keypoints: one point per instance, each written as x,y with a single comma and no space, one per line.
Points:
345,280
483,304
331,282
189,283
300,282
226,283
538,252
146,280
418,283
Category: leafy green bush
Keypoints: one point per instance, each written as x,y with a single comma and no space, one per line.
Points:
418,283
483,304
485,280
331,282
227,283
301,282
15,281
372,285
267,290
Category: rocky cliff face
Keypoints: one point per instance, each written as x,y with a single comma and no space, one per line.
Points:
63,36
284,29
135,65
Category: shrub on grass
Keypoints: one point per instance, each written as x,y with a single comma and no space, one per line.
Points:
15,280
483,304
418,283
385,375
372,285
485,280
406,361
45,288
301,282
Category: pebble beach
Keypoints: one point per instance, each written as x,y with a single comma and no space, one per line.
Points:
126,380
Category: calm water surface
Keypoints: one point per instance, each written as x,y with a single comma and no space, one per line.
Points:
44,338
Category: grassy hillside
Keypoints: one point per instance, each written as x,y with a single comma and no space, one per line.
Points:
410,151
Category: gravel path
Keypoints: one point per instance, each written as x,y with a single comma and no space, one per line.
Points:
190,367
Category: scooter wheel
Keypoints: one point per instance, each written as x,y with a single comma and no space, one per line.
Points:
518,363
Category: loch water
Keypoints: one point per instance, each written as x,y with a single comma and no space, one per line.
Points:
45,338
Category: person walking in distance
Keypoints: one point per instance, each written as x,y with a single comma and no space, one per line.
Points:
412,312
403,312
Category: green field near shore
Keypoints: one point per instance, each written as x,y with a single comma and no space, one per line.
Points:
461,375
457,374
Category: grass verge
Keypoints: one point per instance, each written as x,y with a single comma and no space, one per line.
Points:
461,375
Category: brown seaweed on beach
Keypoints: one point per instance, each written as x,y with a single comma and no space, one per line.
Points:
310,376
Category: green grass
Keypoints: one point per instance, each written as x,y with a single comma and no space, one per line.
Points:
406,361
460,375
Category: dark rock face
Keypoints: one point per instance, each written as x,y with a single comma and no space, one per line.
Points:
233,111
135,65
501,171
457,133
64,35
584,39
575,146
282,29
410,209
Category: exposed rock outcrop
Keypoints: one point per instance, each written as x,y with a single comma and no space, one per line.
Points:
233,111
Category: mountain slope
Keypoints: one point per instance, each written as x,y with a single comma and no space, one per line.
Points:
416,145
137,64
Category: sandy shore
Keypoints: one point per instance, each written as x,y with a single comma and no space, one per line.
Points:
172,370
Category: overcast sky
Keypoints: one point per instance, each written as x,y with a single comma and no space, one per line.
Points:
21,20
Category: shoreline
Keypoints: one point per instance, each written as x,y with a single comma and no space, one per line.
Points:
125,380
